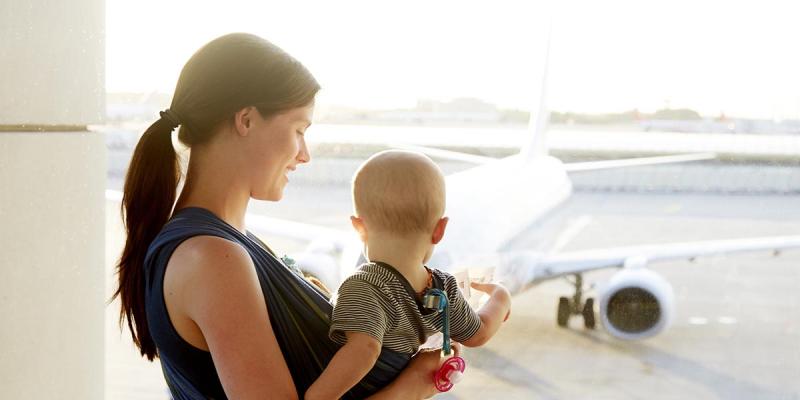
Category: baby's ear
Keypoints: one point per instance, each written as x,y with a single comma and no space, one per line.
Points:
438,230
358,225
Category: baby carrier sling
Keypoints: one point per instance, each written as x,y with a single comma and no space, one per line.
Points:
298,311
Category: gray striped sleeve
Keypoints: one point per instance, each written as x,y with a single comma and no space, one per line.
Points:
464,321
359,309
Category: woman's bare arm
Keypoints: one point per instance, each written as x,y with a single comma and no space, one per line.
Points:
219,291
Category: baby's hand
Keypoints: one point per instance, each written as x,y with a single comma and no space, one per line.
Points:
488,288
496,292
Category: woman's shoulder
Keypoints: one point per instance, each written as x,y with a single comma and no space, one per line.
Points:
184,229
209,275
204,246
200,246
206,254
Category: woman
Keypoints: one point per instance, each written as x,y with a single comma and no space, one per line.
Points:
193,283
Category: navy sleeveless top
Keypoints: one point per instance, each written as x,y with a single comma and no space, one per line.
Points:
298,311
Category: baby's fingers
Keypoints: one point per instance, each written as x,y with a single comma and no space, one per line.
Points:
483,287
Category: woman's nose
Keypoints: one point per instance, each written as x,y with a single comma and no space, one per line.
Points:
303,155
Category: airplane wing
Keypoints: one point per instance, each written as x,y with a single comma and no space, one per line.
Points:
635,303
634,162
445,154
570,167
569,263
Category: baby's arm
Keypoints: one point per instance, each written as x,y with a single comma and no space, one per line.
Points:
351,363
492,314
359,322
476,328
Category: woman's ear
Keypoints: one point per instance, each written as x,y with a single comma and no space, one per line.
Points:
358,225
243,120
438,230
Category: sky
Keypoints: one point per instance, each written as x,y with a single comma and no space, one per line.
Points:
739,58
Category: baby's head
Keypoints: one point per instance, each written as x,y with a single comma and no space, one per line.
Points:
399,193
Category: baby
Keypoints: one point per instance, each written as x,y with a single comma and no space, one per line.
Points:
399,202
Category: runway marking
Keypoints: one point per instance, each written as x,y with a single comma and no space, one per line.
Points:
725,320
698,320
572,230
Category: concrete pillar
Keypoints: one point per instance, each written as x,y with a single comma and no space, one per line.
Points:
52,181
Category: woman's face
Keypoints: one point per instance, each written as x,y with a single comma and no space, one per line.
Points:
276,147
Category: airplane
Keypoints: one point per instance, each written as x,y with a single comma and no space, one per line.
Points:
492,204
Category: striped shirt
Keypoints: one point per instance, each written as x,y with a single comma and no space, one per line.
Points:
378,301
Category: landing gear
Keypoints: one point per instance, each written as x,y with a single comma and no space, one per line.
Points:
588,313
576,306
563,311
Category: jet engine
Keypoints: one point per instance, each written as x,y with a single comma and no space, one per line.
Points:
636,304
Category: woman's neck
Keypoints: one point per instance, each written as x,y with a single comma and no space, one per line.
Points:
211,184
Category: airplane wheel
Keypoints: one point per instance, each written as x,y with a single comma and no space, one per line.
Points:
563,311
588,314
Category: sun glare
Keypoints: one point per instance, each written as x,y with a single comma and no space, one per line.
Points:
608,56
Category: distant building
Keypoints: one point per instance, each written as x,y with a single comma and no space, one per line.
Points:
727,125
461,110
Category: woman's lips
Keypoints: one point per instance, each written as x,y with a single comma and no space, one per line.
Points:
288,170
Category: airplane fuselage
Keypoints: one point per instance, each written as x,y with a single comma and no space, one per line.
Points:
490,205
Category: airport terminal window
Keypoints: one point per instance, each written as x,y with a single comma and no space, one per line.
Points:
671,148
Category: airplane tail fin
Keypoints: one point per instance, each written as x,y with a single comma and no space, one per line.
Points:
536,146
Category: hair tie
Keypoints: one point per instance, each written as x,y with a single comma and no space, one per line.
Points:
170,116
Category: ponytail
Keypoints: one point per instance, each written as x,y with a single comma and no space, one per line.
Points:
147,202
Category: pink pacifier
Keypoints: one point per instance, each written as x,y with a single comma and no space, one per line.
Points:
449,374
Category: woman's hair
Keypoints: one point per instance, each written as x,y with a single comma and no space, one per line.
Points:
227,74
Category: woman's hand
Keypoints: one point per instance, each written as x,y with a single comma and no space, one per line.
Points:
424,365
416,380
